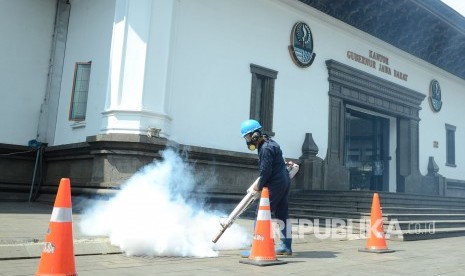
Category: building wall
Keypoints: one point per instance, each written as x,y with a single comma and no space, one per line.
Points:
217,59
432,125
216,67
197,71
89,39
27,30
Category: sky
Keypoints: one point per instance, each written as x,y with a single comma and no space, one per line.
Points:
458,5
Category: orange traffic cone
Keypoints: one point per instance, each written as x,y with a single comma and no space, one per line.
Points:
262,252
376,242
58,254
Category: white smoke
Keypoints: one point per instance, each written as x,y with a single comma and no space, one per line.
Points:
152,215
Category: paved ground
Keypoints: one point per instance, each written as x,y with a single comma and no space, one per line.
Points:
23,226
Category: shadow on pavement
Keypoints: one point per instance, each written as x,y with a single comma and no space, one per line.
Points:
315,254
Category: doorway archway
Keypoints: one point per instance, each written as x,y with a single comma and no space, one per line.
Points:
350,86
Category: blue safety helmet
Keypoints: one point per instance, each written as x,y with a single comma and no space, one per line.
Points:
249,126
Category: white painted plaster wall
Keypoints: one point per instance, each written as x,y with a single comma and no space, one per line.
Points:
26,29
89,37
211,80
198,73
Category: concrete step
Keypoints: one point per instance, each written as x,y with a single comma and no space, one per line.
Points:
402,231
329,206
424,217
367,208
357,201
320,213
387,199
427,225
369,194
438,233
415,216
407,210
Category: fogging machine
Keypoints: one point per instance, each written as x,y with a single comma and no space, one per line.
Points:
247,201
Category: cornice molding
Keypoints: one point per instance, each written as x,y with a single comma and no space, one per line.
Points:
364,89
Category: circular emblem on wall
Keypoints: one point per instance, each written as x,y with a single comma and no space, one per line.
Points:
301,47
435,96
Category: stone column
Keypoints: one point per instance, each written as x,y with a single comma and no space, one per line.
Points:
136,94
336,174
310,176
438,179
410,179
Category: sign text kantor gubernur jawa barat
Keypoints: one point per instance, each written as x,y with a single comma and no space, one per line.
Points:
382,66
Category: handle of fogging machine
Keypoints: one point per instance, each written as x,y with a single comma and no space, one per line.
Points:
240,208
247,201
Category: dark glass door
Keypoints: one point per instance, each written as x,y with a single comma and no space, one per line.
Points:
366,151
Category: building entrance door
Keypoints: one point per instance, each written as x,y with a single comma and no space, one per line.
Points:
367,151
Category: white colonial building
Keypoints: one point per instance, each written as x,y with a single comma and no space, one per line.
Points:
377,91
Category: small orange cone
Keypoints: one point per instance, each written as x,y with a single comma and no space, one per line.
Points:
376,242
262,252
58,254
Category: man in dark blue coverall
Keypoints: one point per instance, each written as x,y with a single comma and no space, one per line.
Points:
273,174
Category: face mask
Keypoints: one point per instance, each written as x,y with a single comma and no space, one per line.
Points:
251,146
251,139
